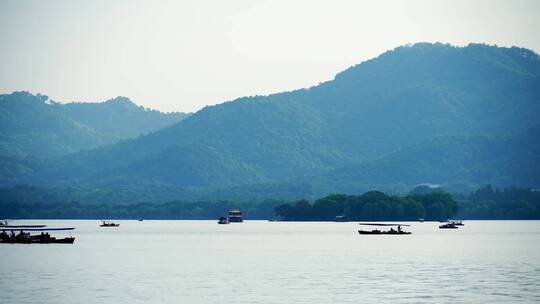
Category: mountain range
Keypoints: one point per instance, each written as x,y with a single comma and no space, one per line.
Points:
460,117
33,125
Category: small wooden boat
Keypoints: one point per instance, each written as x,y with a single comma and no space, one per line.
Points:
109,224
392,231
376,231
45,238
223,220
24,236
448,226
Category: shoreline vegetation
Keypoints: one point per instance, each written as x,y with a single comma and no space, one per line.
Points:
485,203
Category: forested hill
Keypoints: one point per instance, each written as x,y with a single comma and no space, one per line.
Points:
416,114
32,125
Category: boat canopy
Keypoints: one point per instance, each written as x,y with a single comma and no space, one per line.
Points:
35,229
381,224
23,226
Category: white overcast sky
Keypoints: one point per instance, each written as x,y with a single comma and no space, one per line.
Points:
183,55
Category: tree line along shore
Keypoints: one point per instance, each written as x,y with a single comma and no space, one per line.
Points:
485,203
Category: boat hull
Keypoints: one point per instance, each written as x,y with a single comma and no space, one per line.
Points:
383,232
66,240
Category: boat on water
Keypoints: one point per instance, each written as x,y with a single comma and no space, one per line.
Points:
457,223
108,224
223,220
448,225
25,236
392,231
235,216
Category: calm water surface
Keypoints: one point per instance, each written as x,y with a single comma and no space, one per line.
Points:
275,262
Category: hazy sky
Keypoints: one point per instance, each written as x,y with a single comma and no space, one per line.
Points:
183,55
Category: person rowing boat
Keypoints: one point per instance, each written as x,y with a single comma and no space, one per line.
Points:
392,231
25,237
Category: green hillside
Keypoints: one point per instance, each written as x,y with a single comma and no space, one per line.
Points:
32,125
456,116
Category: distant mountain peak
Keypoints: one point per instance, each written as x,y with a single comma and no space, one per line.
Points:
121,100
450,115
25,96
474,58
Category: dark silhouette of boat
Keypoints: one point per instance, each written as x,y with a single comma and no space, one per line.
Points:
376,231
235,216
392,231
448,226
223,220
25,237
108,224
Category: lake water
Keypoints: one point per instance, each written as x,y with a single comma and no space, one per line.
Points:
275,262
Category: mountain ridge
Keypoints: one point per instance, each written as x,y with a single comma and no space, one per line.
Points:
402,99
33,125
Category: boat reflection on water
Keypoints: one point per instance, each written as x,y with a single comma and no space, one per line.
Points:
391,231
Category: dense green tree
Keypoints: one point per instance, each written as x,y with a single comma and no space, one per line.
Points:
373,205
511,203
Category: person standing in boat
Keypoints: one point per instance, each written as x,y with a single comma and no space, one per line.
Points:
399,228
